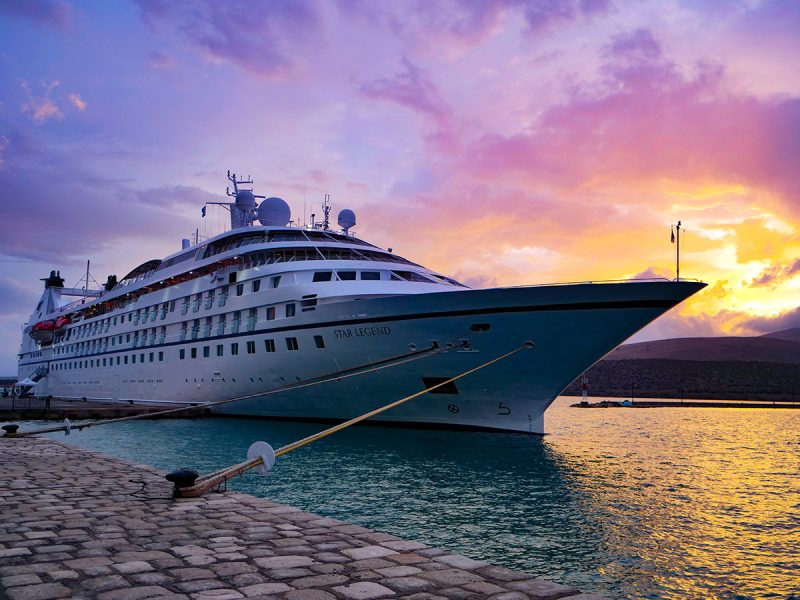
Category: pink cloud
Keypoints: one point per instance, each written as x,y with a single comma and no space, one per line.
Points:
40,106
77,102
646,122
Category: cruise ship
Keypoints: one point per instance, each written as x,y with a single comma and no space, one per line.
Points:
265,308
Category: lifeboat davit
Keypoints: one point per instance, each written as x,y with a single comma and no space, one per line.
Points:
43,331
62,322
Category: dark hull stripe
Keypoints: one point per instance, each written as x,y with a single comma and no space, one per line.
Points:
608,305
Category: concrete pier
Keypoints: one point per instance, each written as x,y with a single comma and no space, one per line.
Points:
57,409
72,526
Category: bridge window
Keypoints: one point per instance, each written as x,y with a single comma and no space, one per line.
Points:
323,276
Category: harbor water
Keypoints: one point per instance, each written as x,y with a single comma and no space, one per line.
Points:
631,503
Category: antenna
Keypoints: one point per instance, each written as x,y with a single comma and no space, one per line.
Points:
86,278
326,211
676,237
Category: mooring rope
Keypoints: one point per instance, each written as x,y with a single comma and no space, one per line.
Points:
346,374
219,477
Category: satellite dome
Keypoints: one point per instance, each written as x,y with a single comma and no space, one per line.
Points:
245,200
275,212
346,219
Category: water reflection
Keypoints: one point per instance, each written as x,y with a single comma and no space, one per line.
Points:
646,503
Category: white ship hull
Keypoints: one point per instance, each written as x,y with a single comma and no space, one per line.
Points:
572,326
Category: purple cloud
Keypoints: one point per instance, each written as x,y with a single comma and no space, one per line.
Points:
160,60
544,15
262,37
423,21
760,325
412,89
776,274
66,231
16,298
466,23
653,273
53,13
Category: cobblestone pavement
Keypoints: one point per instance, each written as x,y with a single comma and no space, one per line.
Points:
70,528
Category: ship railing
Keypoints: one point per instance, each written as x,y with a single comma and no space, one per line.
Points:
78,303
608,281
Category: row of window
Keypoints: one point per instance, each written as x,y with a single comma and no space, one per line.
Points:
154,335
91,363
204,351
269,346
159,311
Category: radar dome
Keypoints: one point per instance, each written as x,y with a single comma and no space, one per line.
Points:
245,200
275,212
347,219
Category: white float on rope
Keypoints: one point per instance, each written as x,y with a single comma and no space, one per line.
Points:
267,454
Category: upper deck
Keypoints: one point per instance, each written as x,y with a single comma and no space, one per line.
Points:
246,248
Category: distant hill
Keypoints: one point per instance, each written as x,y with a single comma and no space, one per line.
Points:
766,367
770,348
793,334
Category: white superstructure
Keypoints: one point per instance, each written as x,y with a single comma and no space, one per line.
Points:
260,307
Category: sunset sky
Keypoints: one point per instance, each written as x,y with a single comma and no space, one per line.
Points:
503,143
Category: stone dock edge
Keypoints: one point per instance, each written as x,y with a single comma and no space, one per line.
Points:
70,527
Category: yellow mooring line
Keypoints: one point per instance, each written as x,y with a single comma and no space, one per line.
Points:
352,372
217,478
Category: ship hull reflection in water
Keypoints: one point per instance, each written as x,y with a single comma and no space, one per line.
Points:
658,503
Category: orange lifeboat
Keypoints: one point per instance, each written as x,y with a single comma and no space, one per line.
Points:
62,322
42,332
